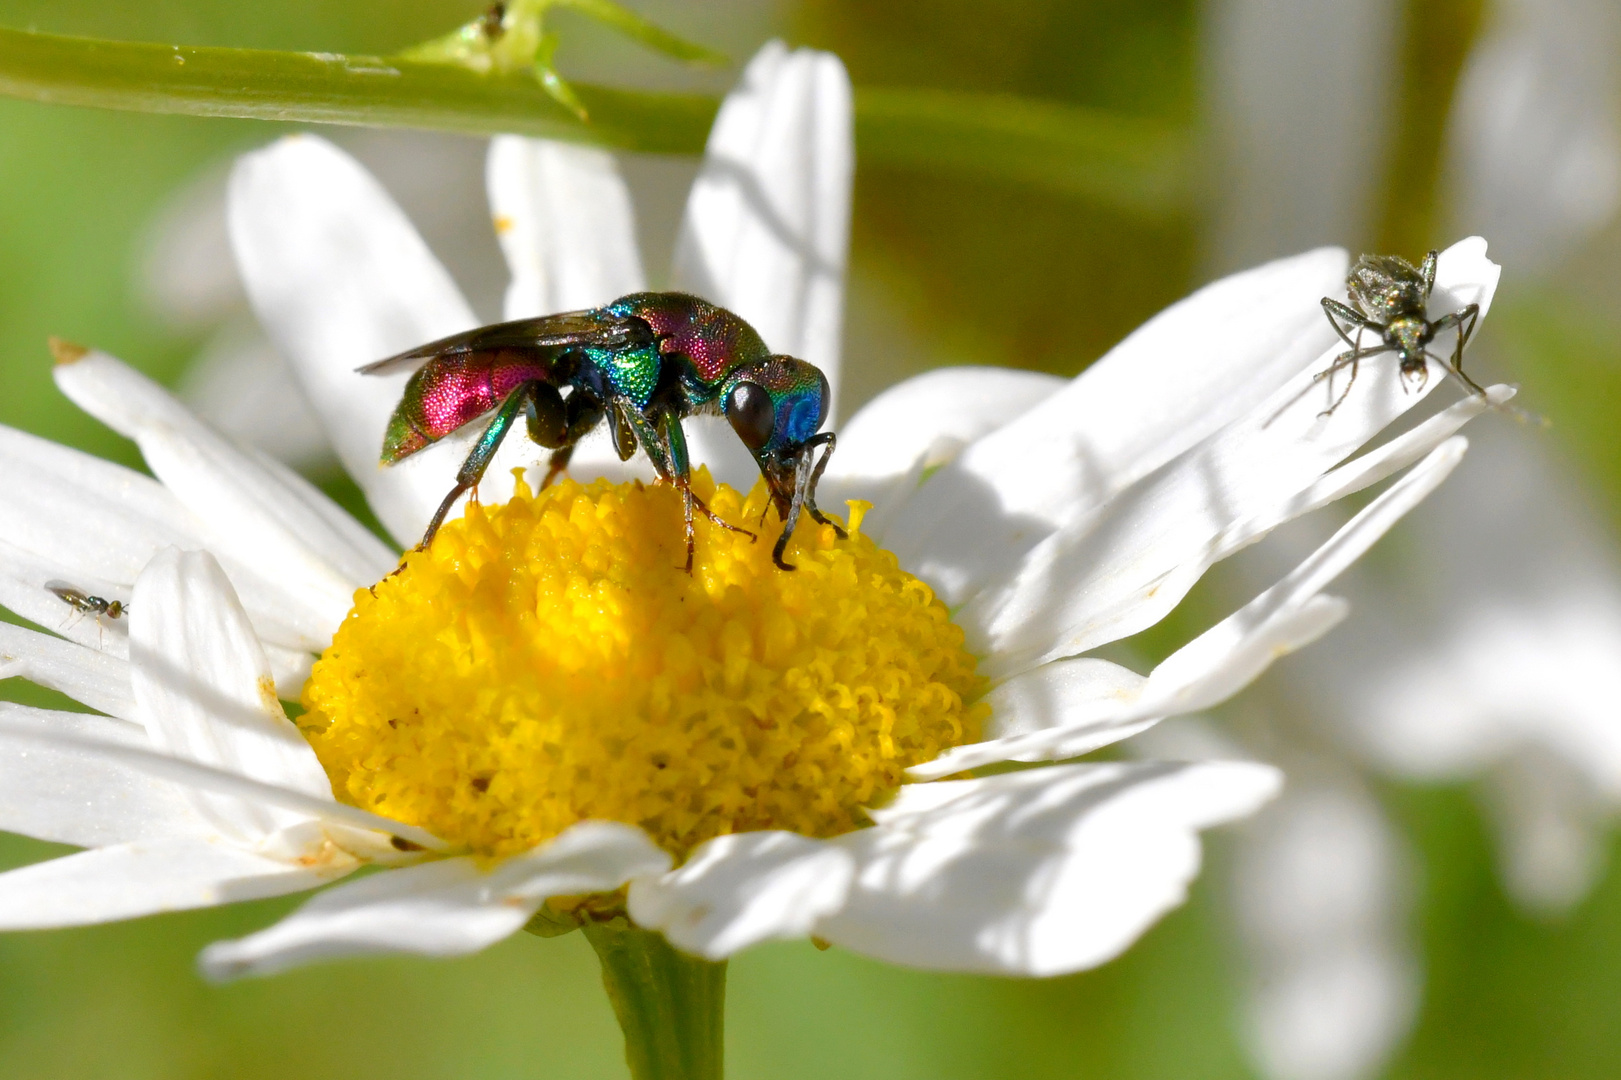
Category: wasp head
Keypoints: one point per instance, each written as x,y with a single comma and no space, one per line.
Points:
776,407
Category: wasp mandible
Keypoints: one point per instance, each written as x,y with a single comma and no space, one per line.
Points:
642,364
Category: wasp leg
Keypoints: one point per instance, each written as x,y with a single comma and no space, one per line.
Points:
626,432
830,440
678,471
582,412
472,470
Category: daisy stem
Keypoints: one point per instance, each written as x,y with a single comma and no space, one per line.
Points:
670,1005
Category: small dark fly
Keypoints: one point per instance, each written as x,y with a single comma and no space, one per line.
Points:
85,604
1390,298
642,365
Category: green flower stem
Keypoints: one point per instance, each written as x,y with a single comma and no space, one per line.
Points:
671,1006
326,88
1135,165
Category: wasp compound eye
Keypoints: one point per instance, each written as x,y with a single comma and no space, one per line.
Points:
752,413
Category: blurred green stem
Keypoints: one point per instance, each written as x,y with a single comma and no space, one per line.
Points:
671,1006
1123,162
1438,36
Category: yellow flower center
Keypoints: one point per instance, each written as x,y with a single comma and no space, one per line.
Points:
549,660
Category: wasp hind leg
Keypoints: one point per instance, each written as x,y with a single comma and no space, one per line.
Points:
478,460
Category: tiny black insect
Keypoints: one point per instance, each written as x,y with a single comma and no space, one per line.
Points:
493,22
1390,296
86,604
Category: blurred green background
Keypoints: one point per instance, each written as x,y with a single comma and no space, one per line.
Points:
945,269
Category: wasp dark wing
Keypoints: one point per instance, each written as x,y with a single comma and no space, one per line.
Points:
563,331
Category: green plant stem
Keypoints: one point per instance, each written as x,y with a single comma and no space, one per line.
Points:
671,1006
1132,164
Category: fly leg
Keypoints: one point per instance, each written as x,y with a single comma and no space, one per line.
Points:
1337,312
1340,317
1465,321
1348,359
1426,271
472,470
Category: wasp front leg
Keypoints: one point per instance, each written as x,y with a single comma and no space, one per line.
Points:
830,440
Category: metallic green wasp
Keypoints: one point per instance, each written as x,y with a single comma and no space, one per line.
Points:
642,364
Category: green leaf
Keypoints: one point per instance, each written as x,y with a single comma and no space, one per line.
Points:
1118,161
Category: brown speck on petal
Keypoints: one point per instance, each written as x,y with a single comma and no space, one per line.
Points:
66,352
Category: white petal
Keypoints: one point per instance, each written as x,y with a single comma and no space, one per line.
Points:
307,809
1038,872
1552,830
1071,706
920,424
1363,471
767,226
86,675
339,278
1227,656
742,889
1192,369
72,796
240,384
101,523
1320,893
205,691
443,908
142,878
565,223
1535,129
257,509
1293,164
1231,654
1124,567
1061,692
83,512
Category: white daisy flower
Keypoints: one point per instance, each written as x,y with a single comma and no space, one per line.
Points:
544,706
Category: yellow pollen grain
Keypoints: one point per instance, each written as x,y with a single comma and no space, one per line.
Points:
549,661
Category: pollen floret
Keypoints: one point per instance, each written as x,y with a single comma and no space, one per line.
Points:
548,661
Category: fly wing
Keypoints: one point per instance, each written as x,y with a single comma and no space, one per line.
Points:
567,330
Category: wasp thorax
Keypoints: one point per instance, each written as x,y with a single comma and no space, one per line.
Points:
549,660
